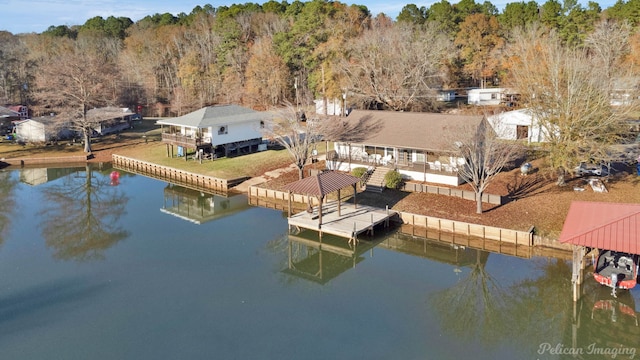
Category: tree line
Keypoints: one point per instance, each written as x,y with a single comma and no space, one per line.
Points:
264,55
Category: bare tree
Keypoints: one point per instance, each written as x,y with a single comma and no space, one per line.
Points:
570,101
485,155
294,135
398,67
74,80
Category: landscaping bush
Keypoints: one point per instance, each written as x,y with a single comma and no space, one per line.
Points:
392,179
358,172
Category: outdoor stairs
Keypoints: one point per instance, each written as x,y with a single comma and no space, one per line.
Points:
375,182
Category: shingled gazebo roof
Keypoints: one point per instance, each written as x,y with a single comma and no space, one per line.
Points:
322,184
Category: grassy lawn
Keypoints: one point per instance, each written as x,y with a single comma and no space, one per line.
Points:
249,165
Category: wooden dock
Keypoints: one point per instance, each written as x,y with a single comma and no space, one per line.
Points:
351,222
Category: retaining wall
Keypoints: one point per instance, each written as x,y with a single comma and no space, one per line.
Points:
173,175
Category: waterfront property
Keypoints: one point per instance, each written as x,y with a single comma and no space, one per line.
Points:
421,146
215,130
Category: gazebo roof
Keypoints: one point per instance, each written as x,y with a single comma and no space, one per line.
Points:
601,225
322,184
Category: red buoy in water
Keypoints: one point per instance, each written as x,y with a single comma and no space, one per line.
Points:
115,178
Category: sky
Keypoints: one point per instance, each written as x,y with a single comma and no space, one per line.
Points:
25,16
20,16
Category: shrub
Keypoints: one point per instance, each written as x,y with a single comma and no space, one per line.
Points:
392,179
358,172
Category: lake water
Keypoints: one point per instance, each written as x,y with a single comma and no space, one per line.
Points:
147,270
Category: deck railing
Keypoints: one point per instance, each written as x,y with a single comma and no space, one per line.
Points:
182,140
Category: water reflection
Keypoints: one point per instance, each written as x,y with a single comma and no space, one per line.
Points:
321,261
7,202
39,176
199,207
80,218
603,324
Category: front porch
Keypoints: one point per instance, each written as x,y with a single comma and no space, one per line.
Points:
413,164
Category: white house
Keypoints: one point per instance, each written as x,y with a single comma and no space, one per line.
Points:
221,129
41,129
517,125
492,97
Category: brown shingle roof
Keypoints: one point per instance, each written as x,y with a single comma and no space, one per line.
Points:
322,184
427,131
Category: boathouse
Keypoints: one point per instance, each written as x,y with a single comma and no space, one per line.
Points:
599,225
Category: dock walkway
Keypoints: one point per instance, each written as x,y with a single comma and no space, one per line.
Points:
351,222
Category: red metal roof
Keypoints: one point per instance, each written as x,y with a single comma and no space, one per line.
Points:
322,184
601,225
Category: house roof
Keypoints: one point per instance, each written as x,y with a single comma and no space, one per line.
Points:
322,184
107,113
426,131
514,117
216,116
6,112
601,225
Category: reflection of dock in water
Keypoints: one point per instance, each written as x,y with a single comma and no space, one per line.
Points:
200,207
323,260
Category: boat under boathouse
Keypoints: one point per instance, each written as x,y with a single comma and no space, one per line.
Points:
346,220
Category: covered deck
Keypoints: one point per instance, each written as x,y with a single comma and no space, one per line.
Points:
351,221
348,220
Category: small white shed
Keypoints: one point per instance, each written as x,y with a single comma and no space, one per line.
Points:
516,125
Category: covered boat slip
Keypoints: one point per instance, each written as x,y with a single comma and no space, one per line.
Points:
602,226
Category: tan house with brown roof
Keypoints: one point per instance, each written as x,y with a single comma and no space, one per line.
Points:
419,145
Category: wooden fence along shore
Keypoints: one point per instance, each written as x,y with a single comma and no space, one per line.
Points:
175,176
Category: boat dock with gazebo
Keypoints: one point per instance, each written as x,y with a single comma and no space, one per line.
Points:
346,220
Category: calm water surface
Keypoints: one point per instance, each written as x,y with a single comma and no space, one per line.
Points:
147,270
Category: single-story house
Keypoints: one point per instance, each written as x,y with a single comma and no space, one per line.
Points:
492,97
41,129
517,125
221,129
109,120
419,145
